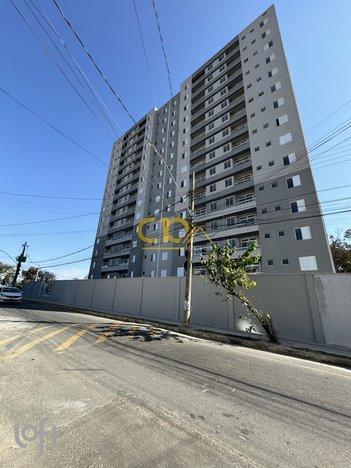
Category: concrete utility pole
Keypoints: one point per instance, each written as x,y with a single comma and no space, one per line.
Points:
189,256
20,259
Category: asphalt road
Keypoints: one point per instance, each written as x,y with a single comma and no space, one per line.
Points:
83,391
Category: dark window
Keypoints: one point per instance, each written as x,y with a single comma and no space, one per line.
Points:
267,235
286,161
274,185
271,163
264,211
294,207
277,208
298,234
261,188
285,261
258,168
269,144
257,148
281,233
270,262
290,183
263,108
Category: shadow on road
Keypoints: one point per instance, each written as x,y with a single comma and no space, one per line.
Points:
136,332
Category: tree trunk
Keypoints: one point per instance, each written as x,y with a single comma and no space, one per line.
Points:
264,319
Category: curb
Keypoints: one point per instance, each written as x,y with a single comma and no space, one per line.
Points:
246,342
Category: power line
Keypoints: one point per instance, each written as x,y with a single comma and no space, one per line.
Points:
58,66
145,54
53,127
43,234
63,256
49,220
49,196
163,48
68,263
329,115
93,61
96,97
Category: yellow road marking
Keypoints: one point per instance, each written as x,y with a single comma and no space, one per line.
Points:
66,344
23,335
33,343
8,340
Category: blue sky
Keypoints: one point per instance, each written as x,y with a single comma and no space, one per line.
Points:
36,160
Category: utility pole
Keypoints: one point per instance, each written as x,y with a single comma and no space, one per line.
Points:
20,259
189,256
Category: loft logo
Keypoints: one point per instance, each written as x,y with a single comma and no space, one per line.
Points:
166,232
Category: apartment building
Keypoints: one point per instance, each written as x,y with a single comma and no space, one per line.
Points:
235,126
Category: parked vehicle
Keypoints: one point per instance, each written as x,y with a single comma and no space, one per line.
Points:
10,294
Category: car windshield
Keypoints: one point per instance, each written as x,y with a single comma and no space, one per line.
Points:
10,290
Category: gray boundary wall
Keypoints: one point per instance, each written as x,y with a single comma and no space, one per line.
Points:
306,308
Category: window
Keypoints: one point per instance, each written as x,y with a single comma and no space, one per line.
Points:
273,72
225,117
230,221
164,255
298,206
163,273
210,126
212,170
213,225
258,168
210,113
265,125
252,115
285,261
209,89
270,58
226,148
211,140
271,163
229,201
267,45
277,208
308,263
268,143
303,233
212,188
284,139
294,181
270,262
274,185
223,79
254,131
210,101
228,182
263,108
153,257
180,271
135,243
276,86
211,155
257,148
249,86
264,210
260,93
224,104
261,188
183,169
289,159
213,206
227,164
267,235
282,120
281,233
225,132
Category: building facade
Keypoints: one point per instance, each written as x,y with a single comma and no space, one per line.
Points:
235,126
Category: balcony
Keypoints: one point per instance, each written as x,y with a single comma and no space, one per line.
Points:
119,267
118,239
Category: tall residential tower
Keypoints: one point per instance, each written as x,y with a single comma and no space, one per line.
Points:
235,125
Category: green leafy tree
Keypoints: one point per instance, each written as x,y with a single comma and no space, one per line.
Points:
340,247
6,273
223,270
36,273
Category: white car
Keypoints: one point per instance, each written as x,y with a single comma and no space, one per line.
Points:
10,294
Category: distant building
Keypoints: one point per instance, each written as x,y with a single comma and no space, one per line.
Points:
235,124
